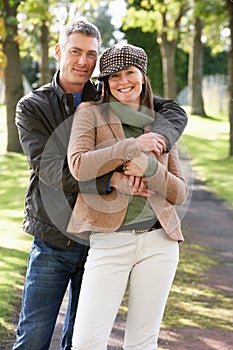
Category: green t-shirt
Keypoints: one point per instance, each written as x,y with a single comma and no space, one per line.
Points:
139,209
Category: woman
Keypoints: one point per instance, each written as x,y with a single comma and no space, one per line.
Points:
134,238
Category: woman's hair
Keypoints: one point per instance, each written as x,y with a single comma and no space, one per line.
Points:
146,98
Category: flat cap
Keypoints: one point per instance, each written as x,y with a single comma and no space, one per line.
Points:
121,56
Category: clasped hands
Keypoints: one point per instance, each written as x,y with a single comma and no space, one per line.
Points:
131,180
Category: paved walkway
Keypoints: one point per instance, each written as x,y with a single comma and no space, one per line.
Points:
209,222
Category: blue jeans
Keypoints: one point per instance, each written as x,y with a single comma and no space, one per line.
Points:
50,270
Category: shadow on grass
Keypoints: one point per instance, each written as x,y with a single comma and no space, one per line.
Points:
197,339
191,302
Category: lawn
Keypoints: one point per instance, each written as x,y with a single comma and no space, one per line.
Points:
206,143
14,244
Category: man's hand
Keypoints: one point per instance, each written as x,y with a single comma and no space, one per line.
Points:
151,142
137,166
130,185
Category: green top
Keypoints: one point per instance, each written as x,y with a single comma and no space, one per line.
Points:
133,123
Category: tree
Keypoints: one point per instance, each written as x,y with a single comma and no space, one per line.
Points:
12,70
230,11
35,23
204,23
196,71
164,18
38,17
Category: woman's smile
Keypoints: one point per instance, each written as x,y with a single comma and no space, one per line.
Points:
125,90
126,85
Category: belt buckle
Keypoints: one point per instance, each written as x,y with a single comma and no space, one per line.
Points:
135,232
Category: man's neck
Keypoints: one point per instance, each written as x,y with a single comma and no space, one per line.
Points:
70,88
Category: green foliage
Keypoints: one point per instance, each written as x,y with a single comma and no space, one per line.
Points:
213,14
102,20
154,16
214,64
181,61
30,69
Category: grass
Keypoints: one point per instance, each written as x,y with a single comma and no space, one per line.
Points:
207,308
206,141
190,296
14,244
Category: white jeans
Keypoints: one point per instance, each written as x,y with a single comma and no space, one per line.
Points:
148,263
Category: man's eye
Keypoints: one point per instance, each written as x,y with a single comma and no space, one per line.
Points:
75,52
92,55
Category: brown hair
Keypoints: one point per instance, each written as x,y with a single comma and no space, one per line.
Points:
146,98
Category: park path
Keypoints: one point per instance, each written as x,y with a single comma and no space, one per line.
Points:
209,222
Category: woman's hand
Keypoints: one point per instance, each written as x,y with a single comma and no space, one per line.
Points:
130,185
151,142
137,166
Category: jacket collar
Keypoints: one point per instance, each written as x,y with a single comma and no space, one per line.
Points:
90,92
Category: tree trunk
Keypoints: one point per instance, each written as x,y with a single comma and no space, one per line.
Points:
168,51
196,72
230,77
13,76
44,65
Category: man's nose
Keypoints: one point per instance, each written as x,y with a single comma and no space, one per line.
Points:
83,58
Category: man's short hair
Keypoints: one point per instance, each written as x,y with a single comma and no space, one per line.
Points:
81,25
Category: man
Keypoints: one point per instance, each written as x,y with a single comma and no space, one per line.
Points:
43,119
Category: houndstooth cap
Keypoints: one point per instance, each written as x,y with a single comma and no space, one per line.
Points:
121,56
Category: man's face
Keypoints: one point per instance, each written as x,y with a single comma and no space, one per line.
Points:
77,61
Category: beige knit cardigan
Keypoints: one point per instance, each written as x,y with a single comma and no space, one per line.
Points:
98,146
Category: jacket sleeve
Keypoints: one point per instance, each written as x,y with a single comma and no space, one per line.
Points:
45,146
171,120
169,180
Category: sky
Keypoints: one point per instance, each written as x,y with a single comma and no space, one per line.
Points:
117,10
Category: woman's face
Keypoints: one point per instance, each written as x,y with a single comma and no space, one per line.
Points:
126,86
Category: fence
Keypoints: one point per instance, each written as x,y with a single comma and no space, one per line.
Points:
215,95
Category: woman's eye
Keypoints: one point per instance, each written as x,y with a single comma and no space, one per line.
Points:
114,76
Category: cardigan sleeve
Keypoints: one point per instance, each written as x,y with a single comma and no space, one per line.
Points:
88,160
169,180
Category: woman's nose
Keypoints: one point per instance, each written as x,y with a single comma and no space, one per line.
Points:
123,79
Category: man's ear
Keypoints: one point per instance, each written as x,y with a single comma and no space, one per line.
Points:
57,52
